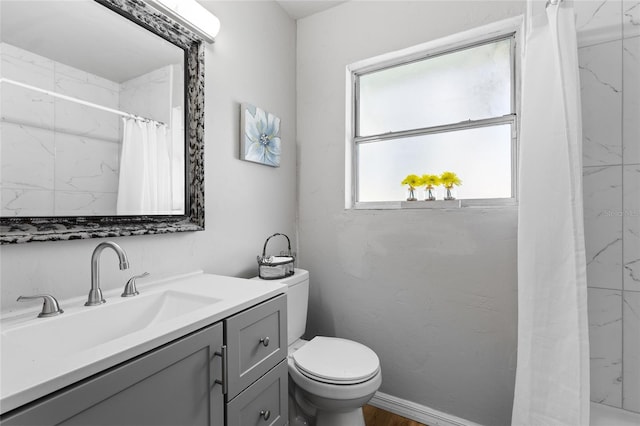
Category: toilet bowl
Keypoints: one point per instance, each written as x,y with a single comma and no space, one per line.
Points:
330,378
333,379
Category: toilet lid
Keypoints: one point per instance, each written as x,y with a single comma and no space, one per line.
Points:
334,360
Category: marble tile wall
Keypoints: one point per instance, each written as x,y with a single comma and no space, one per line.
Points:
39,134
609,55
149,95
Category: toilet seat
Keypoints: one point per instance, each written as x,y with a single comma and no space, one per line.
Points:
336,361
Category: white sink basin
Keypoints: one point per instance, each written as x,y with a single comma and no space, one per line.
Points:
41,355
89,327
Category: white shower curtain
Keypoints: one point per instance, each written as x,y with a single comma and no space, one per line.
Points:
552,377
145,185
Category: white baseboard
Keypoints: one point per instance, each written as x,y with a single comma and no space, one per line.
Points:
417,412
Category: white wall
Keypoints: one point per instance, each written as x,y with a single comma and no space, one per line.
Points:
432,292
251,61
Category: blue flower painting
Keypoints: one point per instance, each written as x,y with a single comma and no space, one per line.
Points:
260,140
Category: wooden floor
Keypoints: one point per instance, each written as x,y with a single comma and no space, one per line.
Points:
376,417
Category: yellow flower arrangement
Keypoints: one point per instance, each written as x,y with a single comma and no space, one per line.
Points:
446,179
413,181
449,179
431,181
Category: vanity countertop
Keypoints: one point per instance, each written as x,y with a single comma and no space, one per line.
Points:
42,355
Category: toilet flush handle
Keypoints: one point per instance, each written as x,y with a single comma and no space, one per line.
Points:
265,414
265,341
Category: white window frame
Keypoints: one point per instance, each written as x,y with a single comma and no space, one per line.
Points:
512,27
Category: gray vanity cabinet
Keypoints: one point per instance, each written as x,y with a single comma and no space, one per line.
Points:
185,382
172,385
257,368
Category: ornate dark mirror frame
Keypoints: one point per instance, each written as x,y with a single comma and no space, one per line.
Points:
28,229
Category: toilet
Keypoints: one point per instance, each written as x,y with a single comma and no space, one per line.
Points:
330,379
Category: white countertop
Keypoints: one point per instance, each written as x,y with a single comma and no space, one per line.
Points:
32,371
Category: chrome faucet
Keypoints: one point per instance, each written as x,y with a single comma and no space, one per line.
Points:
95,294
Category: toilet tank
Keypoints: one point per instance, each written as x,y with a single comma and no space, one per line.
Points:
297,303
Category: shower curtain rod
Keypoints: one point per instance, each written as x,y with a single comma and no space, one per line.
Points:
79,101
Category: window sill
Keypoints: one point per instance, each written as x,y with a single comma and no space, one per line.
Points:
437,204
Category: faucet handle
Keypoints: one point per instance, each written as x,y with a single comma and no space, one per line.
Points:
130,287
50,307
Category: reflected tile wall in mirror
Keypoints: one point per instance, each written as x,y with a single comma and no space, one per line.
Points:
72,150
77,161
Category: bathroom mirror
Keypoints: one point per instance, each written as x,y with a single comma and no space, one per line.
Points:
102,121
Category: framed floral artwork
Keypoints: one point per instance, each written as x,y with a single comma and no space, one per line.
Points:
260,136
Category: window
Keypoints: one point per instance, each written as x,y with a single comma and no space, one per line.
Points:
434,110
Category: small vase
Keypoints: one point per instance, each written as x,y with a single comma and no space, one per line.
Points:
429,194
449,195
412,194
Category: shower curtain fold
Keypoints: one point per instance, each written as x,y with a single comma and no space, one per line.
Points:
552,376
144,185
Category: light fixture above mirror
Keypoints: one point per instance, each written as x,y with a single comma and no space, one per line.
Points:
190,14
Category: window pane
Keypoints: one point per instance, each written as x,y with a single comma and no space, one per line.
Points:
481,157
469,84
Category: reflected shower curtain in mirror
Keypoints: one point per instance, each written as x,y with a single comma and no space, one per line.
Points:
145,184
552,376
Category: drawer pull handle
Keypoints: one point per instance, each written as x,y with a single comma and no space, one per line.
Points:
224,381
265,342
265,414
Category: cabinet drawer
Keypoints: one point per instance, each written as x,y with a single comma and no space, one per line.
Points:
264,403
256,342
